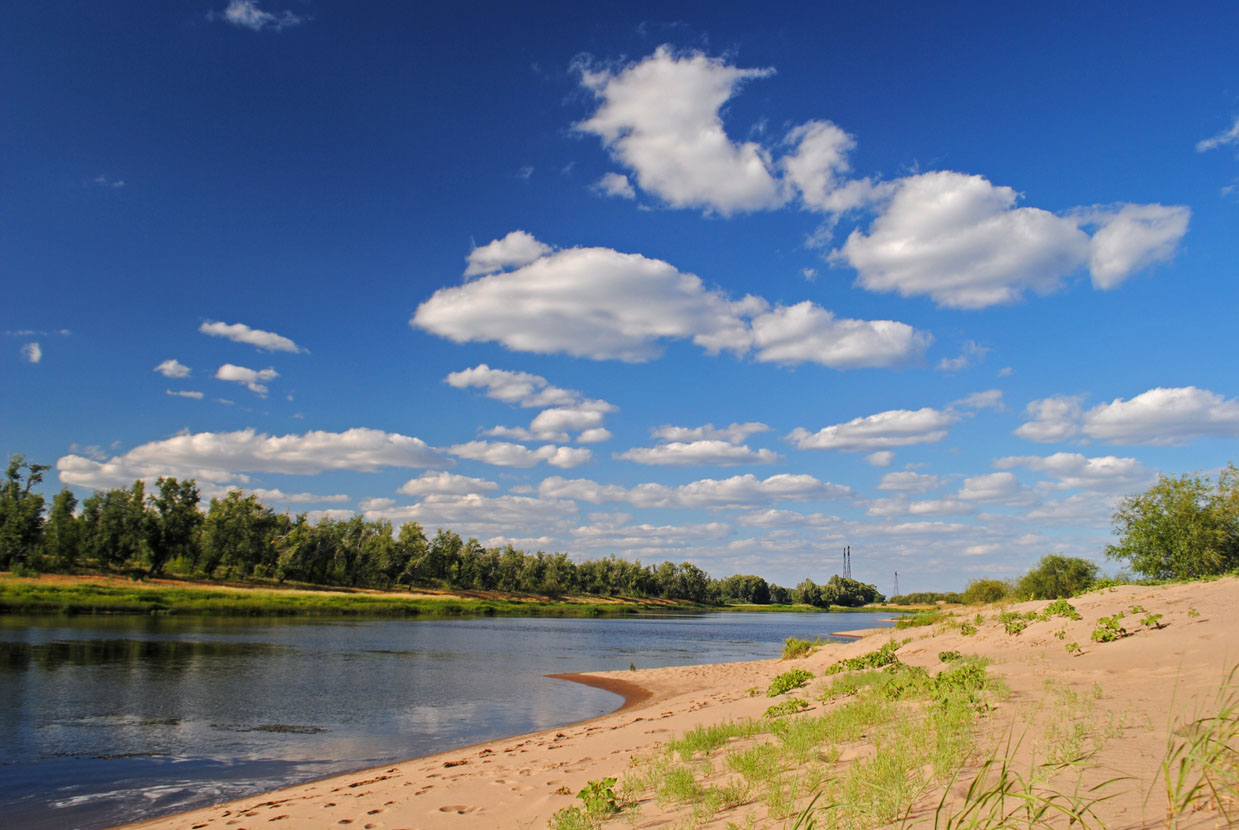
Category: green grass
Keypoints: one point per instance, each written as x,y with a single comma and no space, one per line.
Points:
795,647
884,656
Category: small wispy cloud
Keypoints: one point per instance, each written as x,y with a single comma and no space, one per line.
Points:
247,15
103,181
37,333
185,393
172,368
241,333
32,352
1223,138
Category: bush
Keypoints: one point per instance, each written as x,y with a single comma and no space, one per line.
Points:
1057,577
985,591
787,681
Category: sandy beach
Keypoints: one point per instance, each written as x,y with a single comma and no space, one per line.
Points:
1118,700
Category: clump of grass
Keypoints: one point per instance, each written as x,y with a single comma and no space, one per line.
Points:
756,763
707,738
920,618
1200,768
884,656
788,680
794,647
679,785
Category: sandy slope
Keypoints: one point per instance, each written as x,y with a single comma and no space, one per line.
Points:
1131,689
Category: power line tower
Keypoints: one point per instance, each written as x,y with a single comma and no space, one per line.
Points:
895,591
847,562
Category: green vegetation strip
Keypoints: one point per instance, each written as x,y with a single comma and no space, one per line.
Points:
22,597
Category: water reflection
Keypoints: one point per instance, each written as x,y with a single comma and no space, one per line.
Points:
104,720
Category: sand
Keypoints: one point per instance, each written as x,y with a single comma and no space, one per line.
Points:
1136,685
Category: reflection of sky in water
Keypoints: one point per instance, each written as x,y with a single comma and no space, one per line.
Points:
108,719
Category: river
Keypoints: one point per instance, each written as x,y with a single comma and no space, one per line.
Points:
105,720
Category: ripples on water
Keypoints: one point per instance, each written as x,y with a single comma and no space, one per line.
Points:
114,719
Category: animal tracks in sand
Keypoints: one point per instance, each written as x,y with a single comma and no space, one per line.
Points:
458,809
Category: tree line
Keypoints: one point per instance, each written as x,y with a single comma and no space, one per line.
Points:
237,537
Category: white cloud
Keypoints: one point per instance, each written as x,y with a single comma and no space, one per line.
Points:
881,458
241,333
1075,471
1053,419
1160,416
103,181
1134,237
588,415
606,305
279,496
594,436
247,15
996,488
250,377
506,454
224,457
445,483
32,352
185,393
172,368
903,506
1164,416
647,540
660,118
734,433
775,518
961,240
476,515
514,250
520,388
893,428
678,453
909,482
1223,138
971,354
616,184
989,399
806,332
707,492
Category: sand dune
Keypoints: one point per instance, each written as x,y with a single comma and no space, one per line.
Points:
1132,690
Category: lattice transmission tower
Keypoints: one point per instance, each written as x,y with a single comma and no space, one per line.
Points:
847,562
895,590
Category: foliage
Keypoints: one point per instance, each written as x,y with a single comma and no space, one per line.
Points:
788,680
920,618
838,591
21,511
744,588
1180,528
1151,620
1061,608
967,629
1072,648
788,707
927,598
884,656
795,647
1200,767
986,591
949,656
1013,622
599,797
1056,577
1109,629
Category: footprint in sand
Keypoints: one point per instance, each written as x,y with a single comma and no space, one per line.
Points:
458,809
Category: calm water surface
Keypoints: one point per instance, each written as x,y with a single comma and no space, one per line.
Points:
114,719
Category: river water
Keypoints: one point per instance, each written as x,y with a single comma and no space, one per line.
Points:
105,720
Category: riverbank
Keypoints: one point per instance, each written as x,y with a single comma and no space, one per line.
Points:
1070,719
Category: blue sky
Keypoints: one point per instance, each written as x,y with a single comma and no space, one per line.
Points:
939,283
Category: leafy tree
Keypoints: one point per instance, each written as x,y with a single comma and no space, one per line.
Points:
744,588
21,512
1180,528
176,523
1057,577
115,526
780,595
982,591
809,592
62,533
237,533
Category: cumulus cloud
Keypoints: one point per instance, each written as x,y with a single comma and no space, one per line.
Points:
893,428
594,436
616,184
660,119
1075,471
507,454
989,399
881,458
280,497
680,453
185,393
476,515
996,488
961,240
909,482
606,305
903,506
707,492
806,332
514,250
225,457
241,333
247,15
32,352
1222,139
254,379
1161,416
445,483
172,368
971,354
519,388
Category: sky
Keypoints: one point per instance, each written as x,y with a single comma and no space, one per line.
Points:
736,286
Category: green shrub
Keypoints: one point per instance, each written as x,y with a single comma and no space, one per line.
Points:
787,681
985,591
885,656
1013,622
949,656
599,797
1062,608
1055,577
788,707
1108,629
794,647
918,619
967,629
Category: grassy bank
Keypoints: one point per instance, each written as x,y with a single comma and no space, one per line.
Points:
98,596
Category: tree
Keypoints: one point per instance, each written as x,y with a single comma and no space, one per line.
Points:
1180,528
984,591
62,534
1057,577
237,533
21,512
175,523
809,592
